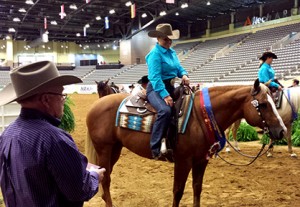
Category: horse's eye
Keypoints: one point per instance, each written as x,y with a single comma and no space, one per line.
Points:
263,105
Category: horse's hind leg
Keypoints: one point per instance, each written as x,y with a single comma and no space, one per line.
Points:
198,173
181,172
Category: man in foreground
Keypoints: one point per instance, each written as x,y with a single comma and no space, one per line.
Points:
40,164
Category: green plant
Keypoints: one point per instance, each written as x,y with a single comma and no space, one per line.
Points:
245,133
296,132
68,119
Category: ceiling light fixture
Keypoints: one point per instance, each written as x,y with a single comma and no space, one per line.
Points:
16,19
87,26
53,22
144,15
29,2
112,11
128,3
185,5
208,3
22,10
176,13
162,13
73,6
78,35
11,30
98,18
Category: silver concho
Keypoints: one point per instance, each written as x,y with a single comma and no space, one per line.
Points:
255,103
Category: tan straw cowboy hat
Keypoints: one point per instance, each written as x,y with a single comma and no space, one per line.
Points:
32,79
164,30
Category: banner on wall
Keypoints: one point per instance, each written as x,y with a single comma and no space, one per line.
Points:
258,20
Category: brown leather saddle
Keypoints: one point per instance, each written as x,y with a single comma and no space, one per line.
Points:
276,96
139,104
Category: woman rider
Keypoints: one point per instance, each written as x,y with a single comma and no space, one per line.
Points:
266,73
163,68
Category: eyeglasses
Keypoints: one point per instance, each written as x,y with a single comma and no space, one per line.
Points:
63,95
167,39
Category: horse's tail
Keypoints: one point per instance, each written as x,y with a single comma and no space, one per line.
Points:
90,151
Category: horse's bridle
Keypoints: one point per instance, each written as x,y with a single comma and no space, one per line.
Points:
258,106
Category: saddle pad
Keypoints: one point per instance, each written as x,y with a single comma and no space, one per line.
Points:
144,123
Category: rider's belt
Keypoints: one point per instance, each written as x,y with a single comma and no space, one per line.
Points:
169,82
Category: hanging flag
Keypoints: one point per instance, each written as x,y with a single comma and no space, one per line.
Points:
106,23
45,22
170,1
84,31
62,11
133,12
87,1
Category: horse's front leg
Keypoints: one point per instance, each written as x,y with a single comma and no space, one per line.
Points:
289,140
198,173
181,172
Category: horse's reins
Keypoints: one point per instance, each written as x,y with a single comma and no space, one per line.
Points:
256,104
257,156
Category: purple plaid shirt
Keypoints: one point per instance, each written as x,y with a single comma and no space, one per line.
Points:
41,166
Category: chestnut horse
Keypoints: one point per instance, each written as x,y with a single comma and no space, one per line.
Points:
229,103
285,112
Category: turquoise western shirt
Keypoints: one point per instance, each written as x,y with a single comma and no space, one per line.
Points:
163,64
266,73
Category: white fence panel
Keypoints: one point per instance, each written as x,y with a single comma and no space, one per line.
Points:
8,113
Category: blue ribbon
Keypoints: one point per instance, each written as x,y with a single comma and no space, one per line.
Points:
294,113
218,133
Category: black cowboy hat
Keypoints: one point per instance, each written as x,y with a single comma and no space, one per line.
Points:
144,79
266,55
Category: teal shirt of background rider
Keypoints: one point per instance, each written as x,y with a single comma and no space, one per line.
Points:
163,64
266,73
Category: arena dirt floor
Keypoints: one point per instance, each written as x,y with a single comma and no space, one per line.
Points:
139,182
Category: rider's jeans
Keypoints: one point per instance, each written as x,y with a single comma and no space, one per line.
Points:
162,120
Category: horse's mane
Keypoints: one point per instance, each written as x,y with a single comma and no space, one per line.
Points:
220,89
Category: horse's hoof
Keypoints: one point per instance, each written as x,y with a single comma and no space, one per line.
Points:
227,149
269,155
294,155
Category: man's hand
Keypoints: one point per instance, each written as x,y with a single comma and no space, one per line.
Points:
279,88
169,101
100,172
185,80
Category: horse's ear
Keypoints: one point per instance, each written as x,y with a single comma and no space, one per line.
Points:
256,87
97,82
106,82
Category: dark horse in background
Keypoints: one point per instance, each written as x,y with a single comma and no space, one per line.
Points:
229,103
104,89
